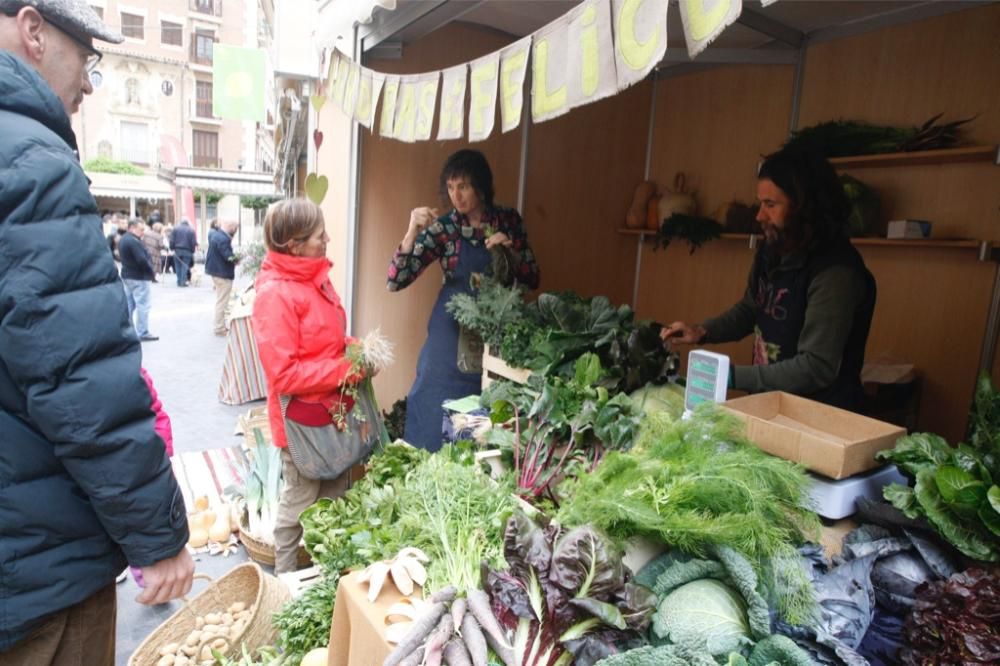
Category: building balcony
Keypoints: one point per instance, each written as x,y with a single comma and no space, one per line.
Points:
210,7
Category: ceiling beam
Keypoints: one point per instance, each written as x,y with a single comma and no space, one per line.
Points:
385,25
438,18
772,28
889,18
732,56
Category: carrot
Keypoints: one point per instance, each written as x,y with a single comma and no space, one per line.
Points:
472,635
455,653
457,611
479,604
436,641
415,658
422,626
444,594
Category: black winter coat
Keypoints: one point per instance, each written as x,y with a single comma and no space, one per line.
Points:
219,261
85,483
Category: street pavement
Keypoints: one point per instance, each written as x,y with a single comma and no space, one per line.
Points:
186,365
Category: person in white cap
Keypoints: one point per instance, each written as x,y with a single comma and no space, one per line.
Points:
85,485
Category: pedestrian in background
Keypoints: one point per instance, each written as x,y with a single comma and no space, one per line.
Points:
86,484
220,263
183,242
137,274
152,238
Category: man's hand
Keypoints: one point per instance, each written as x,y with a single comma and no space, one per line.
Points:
681,333
167,579
420,219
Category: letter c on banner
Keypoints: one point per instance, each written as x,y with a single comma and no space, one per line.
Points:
704,23
591,70
542,101
636,54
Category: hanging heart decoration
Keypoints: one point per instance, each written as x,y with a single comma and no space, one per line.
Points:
316,187
317,138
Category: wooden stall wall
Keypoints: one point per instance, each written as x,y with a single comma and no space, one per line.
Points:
932,304
582,170
397,177
713,126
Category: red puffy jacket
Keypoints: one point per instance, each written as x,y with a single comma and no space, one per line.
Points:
300,329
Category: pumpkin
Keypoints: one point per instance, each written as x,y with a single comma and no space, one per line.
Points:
639,209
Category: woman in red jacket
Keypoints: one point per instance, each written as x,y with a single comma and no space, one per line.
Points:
300,328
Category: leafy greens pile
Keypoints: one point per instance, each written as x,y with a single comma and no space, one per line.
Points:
566,595
698,483
955,488
549,334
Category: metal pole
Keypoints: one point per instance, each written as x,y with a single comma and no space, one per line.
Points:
988,349
353,209
800,71
645,175
522,174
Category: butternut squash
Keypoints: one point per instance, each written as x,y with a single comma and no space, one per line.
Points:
638,210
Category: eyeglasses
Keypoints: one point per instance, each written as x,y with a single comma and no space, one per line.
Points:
93,55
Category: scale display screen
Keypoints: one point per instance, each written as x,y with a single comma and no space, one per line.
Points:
707,378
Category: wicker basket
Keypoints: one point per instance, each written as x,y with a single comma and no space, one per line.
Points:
262,552
263,594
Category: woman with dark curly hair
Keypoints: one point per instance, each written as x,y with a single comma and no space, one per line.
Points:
461,241
809,299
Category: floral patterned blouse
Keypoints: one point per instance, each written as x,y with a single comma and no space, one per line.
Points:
442,241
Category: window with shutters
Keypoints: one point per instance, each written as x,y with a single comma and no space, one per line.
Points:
135,142
202,43
132,26
203,99
171,33
205,151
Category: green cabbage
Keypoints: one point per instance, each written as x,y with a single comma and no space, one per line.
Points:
704,614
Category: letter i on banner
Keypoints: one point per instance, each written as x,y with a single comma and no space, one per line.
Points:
451,121
513,66
404,127
640,31
704,20
390,97
591,62
483,96
427,90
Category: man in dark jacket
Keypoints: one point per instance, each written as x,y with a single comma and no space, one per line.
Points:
220,263
137,274
85,485
809,299
183,242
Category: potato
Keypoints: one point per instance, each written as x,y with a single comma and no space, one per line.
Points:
182,661
227,620
206,653
212,618
236,630
199,622
166,660
220,644
237,607
193,638
189,650
169,648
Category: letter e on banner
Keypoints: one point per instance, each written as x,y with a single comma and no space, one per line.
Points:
640,33
513,66
483,96
451,123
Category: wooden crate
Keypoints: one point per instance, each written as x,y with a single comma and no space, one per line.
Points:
495,368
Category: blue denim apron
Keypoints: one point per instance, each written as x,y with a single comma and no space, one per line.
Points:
441,373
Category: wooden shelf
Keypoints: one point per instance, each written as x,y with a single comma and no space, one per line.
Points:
943,243
945,156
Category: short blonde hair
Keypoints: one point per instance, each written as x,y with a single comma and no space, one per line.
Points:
290,220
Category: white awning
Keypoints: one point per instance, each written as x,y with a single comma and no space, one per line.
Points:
245,183
120,186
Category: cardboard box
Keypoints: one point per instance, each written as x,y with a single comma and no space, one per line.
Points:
833,442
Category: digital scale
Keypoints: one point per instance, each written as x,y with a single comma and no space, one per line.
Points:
708,380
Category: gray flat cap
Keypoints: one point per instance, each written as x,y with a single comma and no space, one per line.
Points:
74,16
